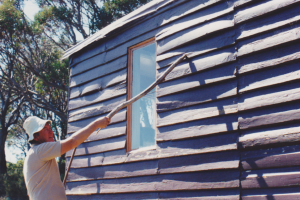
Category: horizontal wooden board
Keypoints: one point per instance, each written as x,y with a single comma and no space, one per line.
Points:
205,45
103,95
75,126
214,143
175,13
198,145
286,156
88,52
202,111
269,40
197,96
201,63
91,160
169,182
270,136
269,178
109,58
270,96
112,130
197,128
260,9
95,67
190,34
128,196
193,163
100,83
99,146
114,171
239,3
196,80
269,22
267,116
273,57
200,162
95,109
202,16
269,77
290,193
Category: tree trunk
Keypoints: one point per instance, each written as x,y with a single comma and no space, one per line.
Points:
3,134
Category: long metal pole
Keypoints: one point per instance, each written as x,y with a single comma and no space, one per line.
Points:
132,100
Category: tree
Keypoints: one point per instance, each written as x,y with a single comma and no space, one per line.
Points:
13,182
78,16
33,79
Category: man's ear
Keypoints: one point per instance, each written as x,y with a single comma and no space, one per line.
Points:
36,136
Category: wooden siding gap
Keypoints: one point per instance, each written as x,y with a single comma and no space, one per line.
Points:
205,45
261,8
201,95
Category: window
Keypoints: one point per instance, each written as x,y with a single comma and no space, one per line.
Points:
141,115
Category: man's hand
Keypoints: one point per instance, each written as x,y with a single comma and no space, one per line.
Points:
103,122
80,136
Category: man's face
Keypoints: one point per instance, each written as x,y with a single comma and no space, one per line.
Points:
45,135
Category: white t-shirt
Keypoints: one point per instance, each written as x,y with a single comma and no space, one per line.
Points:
41,172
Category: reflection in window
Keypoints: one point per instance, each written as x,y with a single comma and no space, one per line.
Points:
143,110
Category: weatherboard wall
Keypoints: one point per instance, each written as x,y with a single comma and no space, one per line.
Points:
227,118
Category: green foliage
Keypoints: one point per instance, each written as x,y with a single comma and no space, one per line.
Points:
10,17
13,182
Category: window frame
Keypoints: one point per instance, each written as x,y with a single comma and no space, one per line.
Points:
129,91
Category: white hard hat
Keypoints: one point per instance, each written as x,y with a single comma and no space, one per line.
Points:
33,125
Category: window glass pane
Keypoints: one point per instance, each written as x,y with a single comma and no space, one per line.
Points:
143,110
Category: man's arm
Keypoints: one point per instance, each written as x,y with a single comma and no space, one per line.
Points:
80,136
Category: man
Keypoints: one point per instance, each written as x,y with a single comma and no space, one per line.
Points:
41,172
